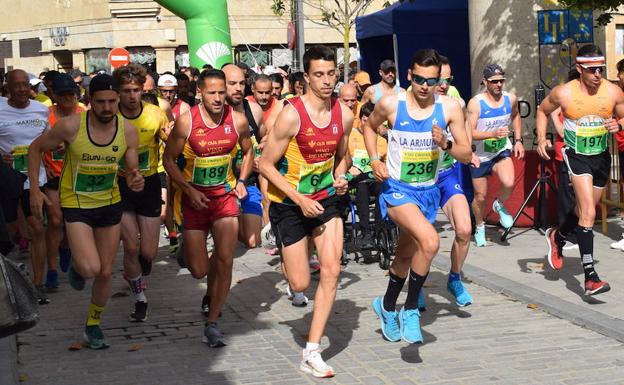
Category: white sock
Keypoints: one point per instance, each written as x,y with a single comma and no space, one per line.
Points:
481,225
136,285
311,346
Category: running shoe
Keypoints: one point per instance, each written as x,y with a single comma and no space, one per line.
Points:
299,300
595,286
140,312
505,220
64,258
570,246
409,322
315,265
52,282
75,279
389,321
457,289
212,336
42,297
480,236
312,363
94,338
205,306
619,244
555,255
146,266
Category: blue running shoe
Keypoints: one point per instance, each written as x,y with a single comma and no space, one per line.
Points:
75,279
94,338
462,297
409,321
64,258
422,304
480,236
52,282
505,220
388,319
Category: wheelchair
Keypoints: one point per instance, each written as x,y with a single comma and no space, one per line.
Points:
385,234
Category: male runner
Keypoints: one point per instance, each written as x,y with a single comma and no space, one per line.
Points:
168,87
588,105
410,196
453,202
95,141
140,222
489,116
21,121
65,94
207,136
277,85
305,162
387,85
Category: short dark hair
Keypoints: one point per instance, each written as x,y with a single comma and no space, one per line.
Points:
129,73
210,74
295,77
317,52
589,50
277,78
573,74
207,67
366,109
180,76
620,65
194,71
444,61
427,57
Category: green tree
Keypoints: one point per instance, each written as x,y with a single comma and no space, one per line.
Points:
607,7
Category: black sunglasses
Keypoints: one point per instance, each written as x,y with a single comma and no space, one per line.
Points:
420,80
497,81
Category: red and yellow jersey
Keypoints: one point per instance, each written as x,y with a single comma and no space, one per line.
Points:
208,153
308,163
53,160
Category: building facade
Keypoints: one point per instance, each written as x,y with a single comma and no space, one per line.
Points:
65,34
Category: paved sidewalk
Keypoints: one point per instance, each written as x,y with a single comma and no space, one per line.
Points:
497,340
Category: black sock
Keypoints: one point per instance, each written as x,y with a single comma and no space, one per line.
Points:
570,223
416,283
395,285
585,237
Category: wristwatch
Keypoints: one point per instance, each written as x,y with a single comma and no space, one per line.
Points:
518,140
449,145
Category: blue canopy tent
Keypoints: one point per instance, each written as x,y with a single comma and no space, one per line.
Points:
400,30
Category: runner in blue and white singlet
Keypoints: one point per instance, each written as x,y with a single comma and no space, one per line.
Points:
409,196
490,115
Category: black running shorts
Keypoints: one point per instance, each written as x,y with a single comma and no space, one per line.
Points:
596,166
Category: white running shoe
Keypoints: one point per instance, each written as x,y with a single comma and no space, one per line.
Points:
570,246
619,244
267,237
299,299
313,363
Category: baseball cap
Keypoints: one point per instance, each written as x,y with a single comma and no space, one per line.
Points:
50,76
387,65
362,78
103,82
493,72
34,81
63,83
167,80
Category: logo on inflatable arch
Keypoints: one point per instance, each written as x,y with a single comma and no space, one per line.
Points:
212,51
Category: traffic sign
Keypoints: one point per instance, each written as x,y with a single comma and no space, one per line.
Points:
118,57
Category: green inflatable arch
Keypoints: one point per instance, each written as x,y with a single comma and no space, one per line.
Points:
207,30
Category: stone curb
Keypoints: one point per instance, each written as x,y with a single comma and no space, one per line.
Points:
8,361
590,319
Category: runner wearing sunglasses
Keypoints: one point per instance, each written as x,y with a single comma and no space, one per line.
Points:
588,105
489,117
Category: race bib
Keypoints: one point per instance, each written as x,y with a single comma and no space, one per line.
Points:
211,170
361,161
447,161
419,166
494,145
144,158
20,158
591,135
257,151
93,178
316,176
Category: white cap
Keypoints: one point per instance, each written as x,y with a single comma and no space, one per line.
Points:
34,81
167,80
